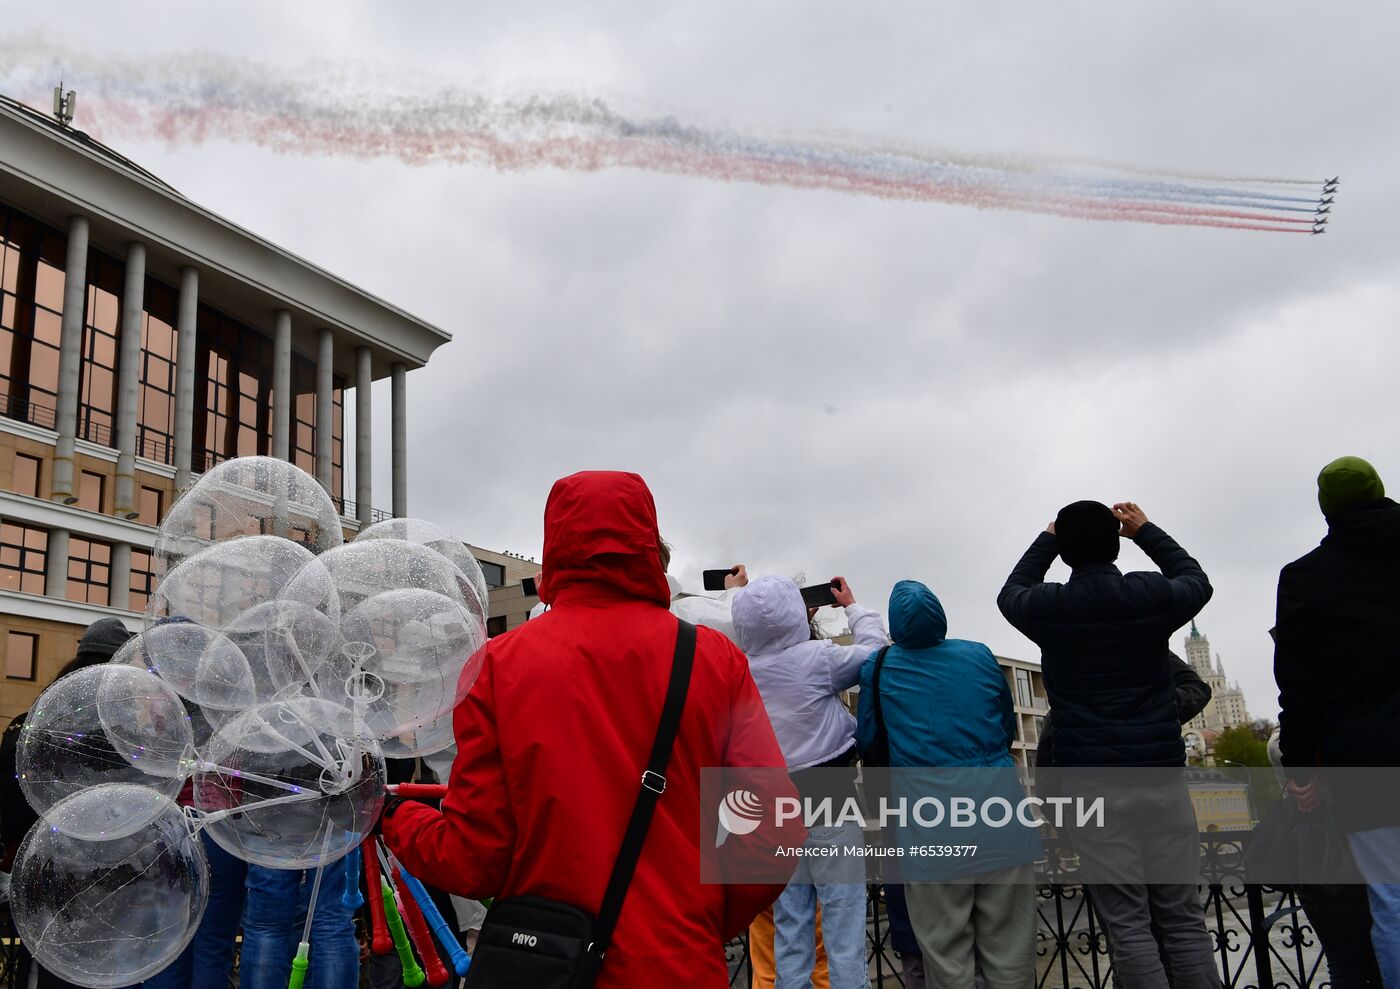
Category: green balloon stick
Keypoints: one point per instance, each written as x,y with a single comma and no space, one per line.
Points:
412,972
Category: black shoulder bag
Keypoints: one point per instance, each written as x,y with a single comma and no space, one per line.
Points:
531,942
878,755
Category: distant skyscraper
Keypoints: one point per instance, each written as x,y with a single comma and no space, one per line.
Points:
1226,708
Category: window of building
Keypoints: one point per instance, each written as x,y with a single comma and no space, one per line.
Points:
97,389
89,571
494,573
155,413
303,441
149,505
235,419
26,476
21,651
23,553
337,440
495,626
91,487
143,579
31,304
1023,688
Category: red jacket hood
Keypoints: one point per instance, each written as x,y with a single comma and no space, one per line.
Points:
601,540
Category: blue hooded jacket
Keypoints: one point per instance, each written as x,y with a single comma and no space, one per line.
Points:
945,701
948,711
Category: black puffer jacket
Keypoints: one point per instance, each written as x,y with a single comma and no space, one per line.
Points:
1192,696
1337,652
1103,649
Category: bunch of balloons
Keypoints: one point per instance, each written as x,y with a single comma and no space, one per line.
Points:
277,668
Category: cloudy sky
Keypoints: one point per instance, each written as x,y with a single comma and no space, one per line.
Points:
827,383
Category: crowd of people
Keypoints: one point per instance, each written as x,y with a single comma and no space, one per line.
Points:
554,736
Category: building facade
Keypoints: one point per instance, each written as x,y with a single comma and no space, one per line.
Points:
505,572
1227,707
142,340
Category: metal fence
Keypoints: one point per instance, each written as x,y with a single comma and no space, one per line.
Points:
1260,936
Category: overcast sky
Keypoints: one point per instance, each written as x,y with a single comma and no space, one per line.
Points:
833,384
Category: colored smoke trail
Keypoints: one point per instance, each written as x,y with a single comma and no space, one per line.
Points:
340,111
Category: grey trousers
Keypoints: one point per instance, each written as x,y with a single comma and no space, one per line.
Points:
986,924
1137,864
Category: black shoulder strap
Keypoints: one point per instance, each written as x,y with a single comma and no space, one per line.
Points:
653,785
881,739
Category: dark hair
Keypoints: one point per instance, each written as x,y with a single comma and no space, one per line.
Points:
1087,533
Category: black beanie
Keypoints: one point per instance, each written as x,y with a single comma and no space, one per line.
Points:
1087,533
102,639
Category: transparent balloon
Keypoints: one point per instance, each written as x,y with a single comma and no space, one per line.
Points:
201,665
248,496
360,570
242,589
104,724
438,539
112,910
408,657
291,784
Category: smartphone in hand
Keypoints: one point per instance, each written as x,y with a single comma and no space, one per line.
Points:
819,595
527,584
714,579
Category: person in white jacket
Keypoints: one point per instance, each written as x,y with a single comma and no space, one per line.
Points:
707,610
801,680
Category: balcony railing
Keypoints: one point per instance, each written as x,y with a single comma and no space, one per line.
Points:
151,447
34,413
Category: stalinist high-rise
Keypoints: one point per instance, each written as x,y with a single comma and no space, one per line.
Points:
1226,708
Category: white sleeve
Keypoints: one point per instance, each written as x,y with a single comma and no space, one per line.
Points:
868,628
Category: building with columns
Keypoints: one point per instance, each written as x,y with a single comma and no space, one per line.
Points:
143,339
1226,708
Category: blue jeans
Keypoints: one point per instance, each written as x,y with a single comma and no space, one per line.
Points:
272,925
1377,854
837,882
208,959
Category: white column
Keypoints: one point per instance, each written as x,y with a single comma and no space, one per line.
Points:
129,378
185,355
56,564
282,385
399,434
119,577
364,475
70,364
325,383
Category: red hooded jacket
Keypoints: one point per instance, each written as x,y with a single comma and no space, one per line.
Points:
554,735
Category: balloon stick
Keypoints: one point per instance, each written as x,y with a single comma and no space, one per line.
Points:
460,959
380,941
418,931
412,974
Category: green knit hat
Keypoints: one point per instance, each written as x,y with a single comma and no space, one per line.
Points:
1347,482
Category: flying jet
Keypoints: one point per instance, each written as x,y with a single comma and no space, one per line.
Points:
1326,200
1318,230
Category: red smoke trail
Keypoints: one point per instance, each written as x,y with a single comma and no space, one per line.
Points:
408,141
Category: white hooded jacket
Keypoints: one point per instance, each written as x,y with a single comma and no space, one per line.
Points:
801,679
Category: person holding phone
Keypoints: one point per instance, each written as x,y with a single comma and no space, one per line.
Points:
706,611
801,680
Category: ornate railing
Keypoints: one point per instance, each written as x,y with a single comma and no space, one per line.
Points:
1261,938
